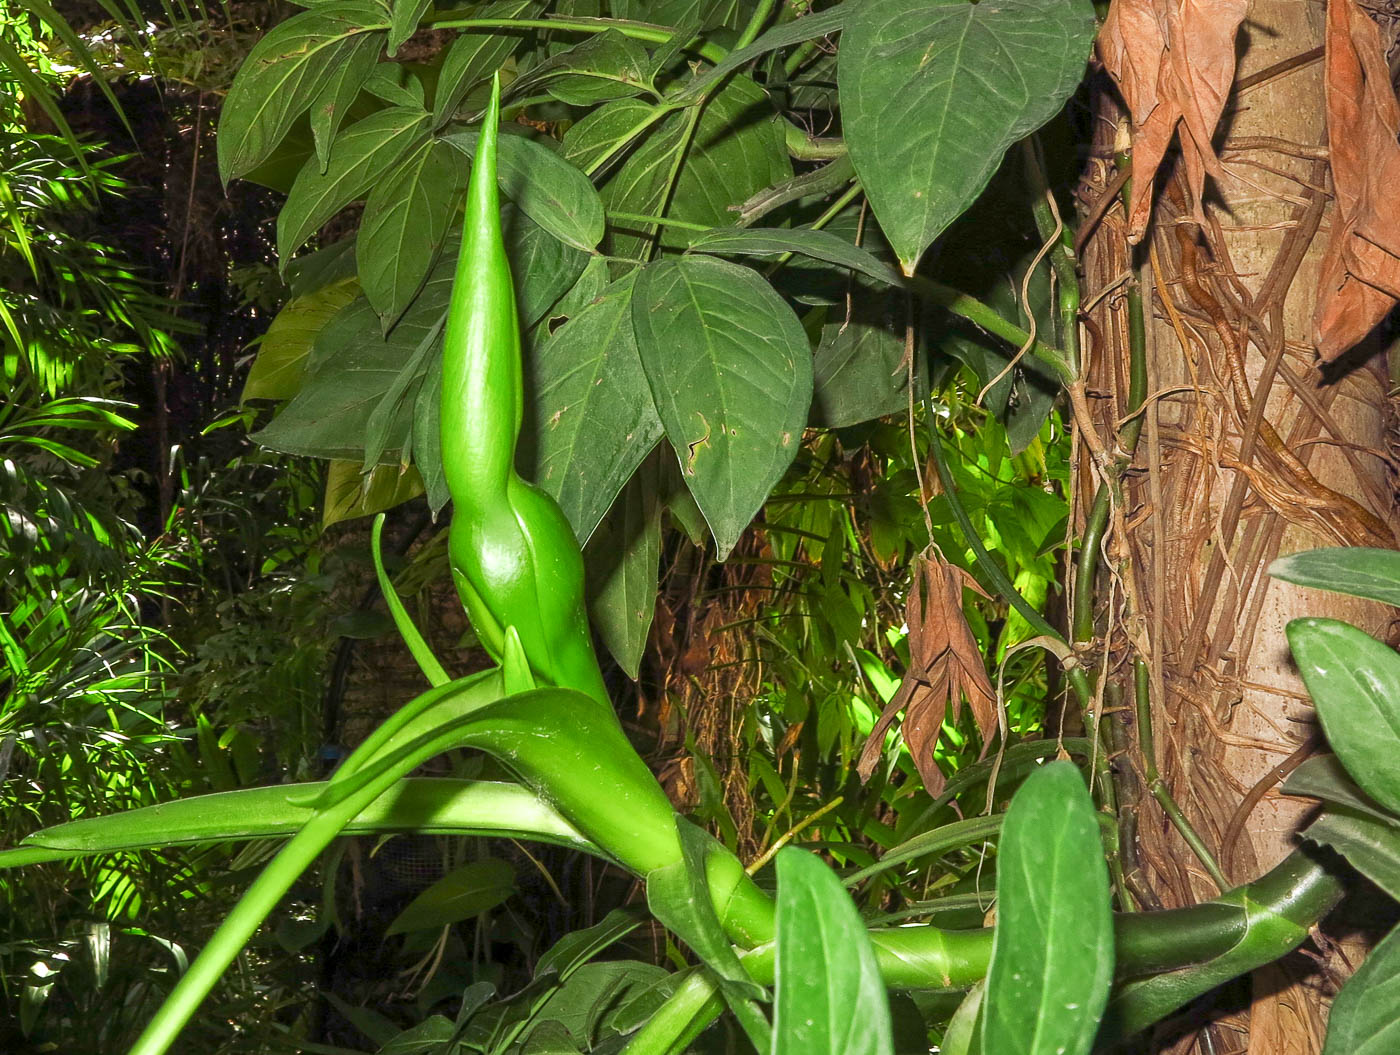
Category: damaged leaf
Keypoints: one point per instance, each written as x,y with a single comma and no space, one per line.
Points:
945,665
1174,62
1360,278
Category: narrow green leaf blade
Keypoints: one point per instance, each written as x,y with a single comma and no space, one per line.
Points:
1354,681
1357,570
934,91
731,374
474,56
829,998
622,561
771,241
1052,954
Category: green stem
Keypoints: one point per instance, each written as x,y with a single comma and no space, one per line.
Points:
973,310
757,20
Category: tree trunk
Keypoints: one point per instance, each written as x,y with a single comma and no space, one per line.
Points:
1209,501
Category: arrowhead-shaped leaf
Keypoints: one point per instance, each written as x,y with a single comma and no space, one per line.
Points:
934,91
731,374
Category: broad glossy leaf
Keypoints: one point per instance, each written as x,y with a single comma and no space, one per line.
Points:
829,998
364,153
468,891
622,562
545,186
590,418
1356,570
1354,681
731,375
1371,844
934,91
475,55
1323,777
1363,1019
277,371
285,73
772,241
1052,953
404,225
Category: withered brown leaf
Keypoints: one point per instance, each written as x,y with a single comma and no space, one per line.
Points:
945,666
1360,278
1174,62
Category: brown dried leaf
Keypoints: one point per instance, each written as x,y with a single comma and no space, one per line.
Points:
1361,271
1174,62
945,666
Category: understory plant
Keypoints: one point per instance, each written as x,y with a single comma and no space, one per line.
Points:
573,366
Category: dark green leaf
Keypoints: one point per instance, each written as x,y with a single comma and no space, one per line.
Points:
591,418
404,225
731,374
934,91
621,560
548,189
342,85
364,154
1358,571
1322,777
396,85
1372,845
407,15
829,996
285,73
476,887
1052,953
475,55
857,371
795,32
605,66
575,949
1354,681
772,241
1363,1019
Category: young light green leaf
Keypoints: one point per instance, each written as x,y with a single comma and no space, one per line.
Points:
1363,1019
829,998
934,91
1354,681
591,421
1356,570
351,493
277,371
363,154
404,225
621,561
731,374
772,241
468,891
285,73
1052,953
545,186
474,55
